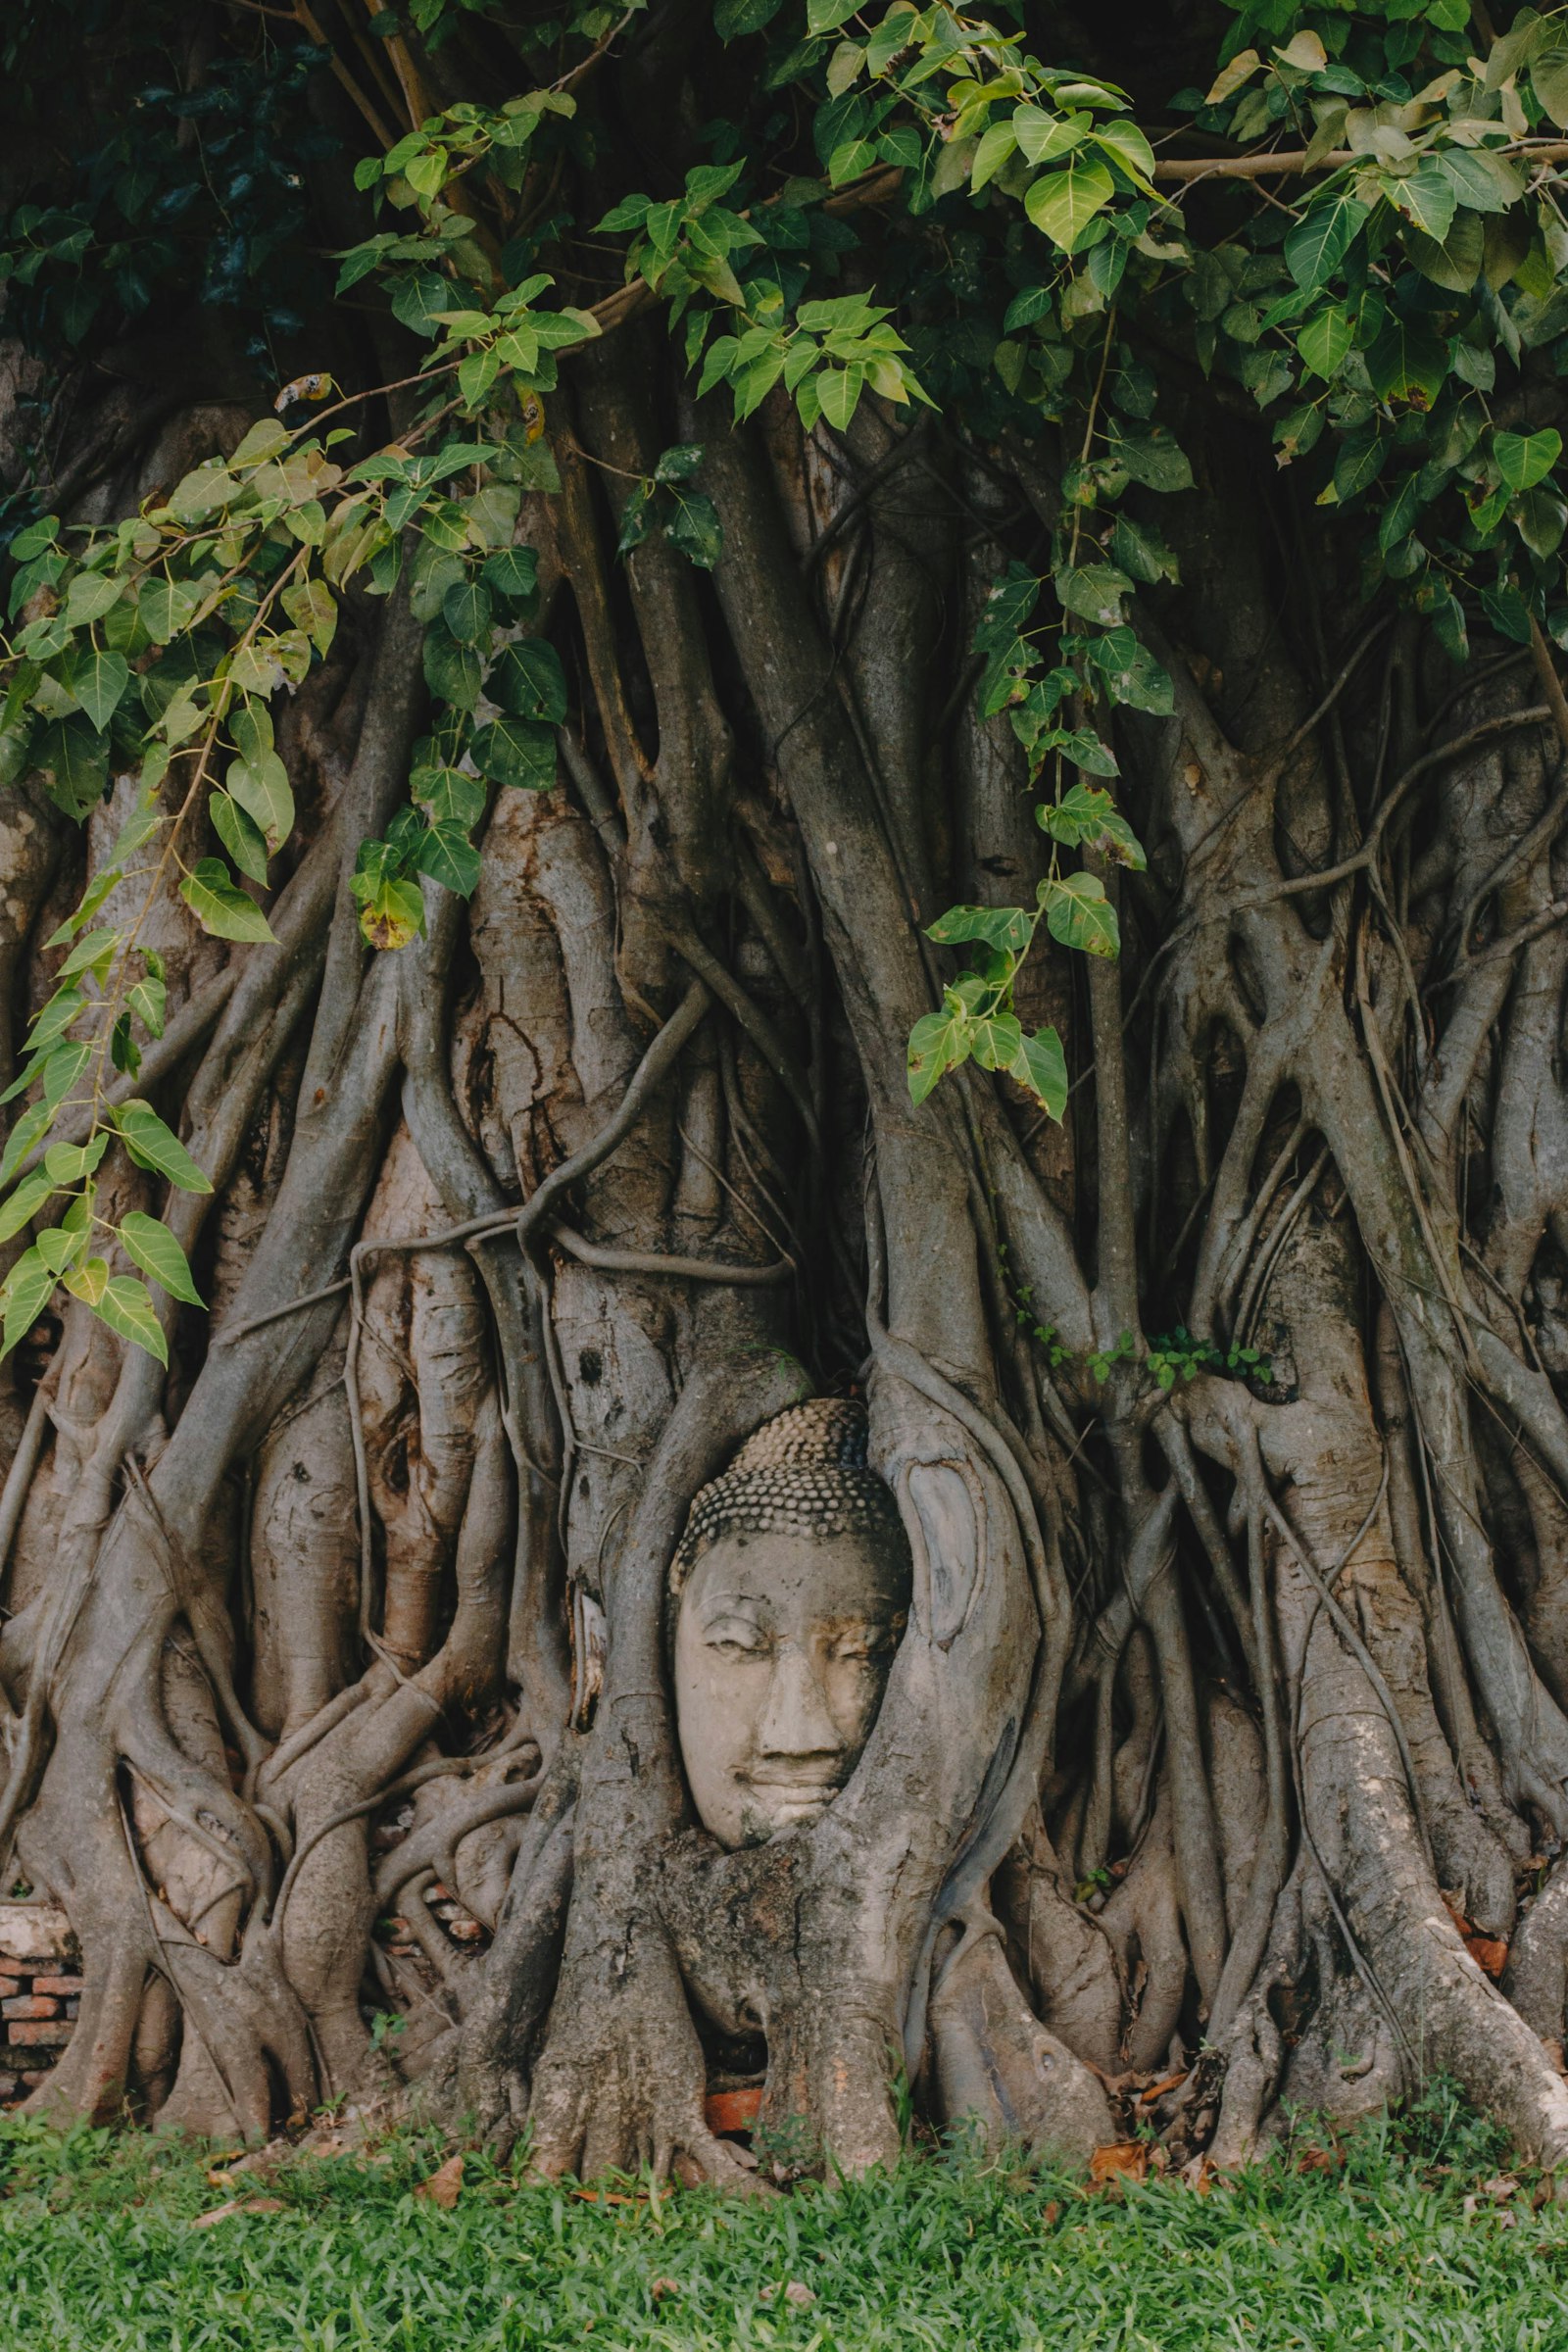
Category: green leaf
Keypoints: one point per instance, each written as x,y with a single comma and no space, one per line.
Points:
1155,458
1008,928
24,1203
1508,611
55,1017
937,1043
148,998
68,1163
1540,519
1131,673
519,751
1044,138
240,834
74,760
1127,146
528,679
219,908
419,300
1078,914
1320,241
467,610
1524,459
91,595
165,607
1359,462
450,795
1487,183
126,1307
93,947
1324,341
449,857
63,1068
25,1292
1427,199
1087,817
24,1134
311,607
453,673
1093,591
149,1244
1407,362
1140,552
734,18
994,149
513,573
262,788
1548,78
153,1145
695,529
1064,203
1040,1066
1455,262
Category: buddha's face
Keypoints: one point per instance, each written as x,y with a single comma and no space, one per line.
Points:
782,1648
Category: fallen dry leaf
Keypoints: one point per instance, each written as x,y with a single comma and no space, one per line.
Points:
442,2186
798,2293
222,2213
1050,2215
1129,2157
659,2288
1158,2091
1488,1952
606,2196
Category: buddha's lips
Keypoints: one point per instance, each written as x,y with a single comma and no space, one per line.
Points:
802,1784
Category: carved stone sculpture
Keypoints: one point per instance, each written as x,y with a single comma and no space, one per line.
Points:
790,1592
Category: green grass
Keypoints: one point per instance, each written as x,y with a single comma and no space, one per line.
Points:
97,2251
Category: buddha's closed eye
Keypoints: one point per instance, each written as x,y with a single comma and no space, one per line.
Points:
736,1638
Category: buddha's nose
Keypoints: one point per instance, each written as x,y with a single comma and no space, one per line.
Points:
795,1721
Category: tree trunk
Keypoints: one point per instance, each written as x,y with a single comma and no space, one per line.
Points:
1223,1760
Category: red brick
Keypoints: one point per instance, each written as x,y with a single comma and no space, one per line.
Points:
62,1985
48,2031
29,2004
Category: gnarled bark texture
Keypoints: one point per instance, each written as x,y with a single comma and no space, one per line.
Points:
1227,1746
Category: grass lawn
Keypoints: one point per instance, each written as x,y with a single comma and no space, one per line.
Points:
1408,2240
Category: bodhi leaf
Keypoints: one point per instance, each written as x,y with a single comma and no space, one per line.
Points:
519,752
1062,204
937,1043
1087,817
220,908
1078,912
126,1307
150,1245
1524,459
528,679
1319,243
153,1145
1007,928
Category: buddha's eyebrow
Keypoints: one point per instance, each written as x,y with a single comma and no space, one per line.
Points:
729,1604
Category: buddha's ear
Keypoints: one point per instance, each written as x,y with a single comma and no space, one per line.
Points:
944,1509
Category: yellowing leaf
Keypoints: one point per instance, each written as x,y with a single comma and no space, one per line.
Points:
1305,52
1233,78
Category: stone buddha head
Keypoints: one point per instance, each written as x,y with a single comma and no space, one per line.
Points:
789,1592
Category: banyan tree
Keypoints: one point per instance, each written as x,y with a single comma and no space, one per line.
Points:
785,1226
